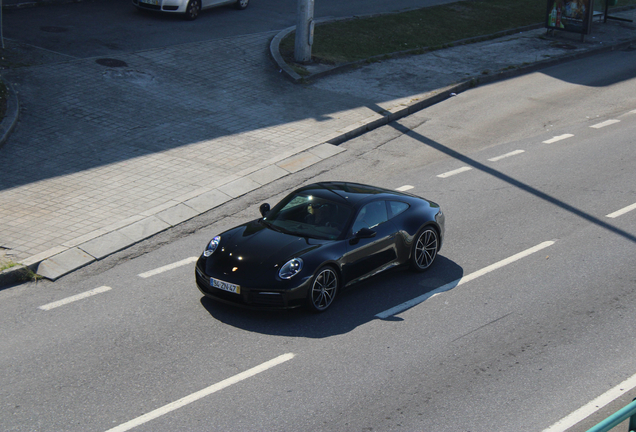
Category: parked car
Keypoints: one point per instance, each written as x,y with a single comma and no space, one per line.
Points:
317,240
189,8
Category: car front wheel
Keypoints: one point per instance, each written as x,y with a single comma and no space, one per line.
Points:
242,4
192,10
323,289
425,249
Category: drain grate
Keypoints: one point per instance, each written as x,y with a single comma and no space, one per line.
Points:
109,62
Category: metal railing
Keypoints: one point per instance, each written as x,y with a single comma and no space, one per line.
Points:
629,412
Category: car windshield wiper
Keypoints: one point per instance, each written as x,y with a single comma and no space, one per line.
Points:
276,228
269,225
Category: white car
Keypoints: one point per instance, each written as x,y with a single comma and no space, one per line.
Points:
189,8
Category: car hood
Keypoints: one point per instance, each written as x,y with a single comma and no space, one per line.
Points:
252,251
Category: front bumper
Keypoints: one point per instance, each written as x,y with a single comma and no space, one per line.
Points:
176,6
266,297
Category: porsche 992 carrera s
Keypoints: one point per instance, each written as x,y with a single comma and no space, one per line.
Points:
318,240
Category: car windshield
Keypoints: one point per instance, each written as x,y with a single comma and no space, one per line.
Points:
309,216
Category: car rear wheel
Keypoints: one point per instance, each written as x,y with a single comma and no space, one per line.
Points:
242,4
192,10
323,289
425,249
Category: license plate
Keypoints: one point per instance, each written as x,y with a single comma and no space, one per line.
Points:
151,2
225,286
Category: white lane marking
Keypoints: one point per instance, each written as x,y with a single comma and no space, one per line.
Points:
622,211
457,171
605,123
168,267
512,153
71,299
558,138
201,394
593,406
409,304
404,188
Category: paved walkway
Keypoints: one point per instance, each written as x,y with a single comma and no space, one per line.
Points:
105,156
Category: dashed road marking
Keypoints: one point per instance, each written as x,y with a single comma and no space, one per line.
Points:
201,394
457,171
404,188
168,267
605,123
558,138
74,298
622,211
409,304
512,153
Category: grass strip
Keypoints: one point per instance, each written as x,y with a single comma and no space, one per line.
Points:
422,29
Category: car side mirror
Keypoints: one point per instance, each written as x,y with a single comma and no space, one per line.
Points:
264,209
365,233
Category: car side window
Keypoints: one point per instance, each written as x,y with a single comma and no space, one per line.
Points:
371,215
397,207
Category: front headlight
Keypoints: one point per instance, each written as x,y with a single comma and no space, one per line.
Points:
291,268
211,247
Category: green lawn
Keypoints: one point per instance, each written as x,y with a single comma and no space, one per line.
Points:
427,28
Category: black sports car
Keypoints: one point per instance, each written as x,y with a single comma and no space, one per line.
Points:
317,240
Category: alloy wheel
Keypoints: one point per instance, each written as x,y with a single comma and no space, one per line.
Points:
425,249
192,10
323,289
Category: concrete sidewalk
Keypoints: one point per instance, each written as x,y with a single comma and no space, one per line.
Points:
108,152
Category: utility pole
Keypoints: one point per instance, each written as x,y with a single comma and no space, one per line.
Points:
304,31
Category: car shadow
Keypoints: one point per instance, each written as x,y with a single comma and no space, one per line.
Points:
353,307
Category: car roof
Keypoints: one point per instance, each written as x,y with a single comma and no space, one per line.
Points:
349,193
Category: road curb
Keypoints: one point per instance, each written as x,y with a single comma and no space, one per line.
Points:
14,275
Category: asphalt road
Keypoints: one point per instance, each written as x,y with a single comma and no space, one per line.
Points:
107,27
517,347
